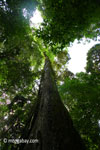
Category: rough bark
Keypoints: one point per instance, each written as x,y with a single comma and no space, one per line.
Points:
52,124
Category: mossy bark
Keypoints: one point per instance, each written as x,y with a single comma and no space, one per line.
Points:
52,125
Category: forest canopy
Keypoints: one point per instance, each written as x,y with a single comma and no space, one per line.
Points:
64,21
22,54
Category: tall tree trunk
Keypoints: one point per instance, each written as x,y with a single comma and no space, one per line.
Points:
52,124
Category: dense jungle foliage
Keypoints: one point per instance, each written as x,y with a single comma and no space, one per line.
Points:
22,55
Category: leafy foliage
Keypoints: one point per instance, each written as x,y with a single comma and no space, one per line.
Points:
81,94
19,54
82,97
93,60
22,53
14,17
64,21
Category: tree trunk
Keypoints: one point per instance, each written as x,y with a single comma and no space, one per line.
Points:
52,125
